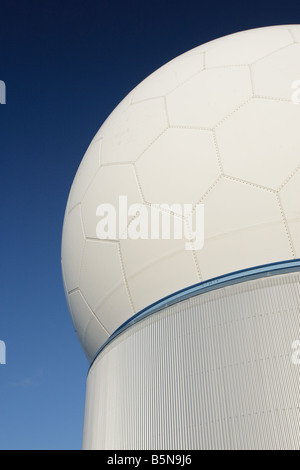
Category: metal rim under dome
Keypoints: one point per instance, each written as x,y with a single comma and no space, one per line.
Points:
243,275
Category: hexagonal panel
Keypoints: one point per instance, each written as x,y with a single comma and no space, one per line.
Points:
87,169
133,130
109,184
116,300
250,46
94,337
290,200
245,222
157,268
183,164
168,77
273,76
208,97
260,142
97,283
72,248
82,317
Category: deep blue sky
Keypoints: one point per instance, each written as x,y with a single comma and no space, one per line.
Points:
66,65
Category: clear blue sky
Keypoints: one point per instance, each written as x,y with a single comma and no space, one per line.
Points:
66,65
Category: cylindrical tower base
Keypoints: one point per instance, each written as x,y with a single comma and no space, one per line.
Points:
207,369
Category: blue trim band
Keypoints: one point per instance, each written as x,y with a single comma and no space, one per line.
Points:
272,269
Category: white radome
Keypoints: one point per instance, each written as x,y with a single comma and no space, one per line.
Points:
218,125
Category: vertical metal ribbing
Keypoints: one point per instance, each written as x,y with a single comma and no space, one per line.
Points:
213,371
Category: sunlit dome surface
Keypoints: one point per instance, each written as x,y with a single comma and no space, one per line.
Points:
218,126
